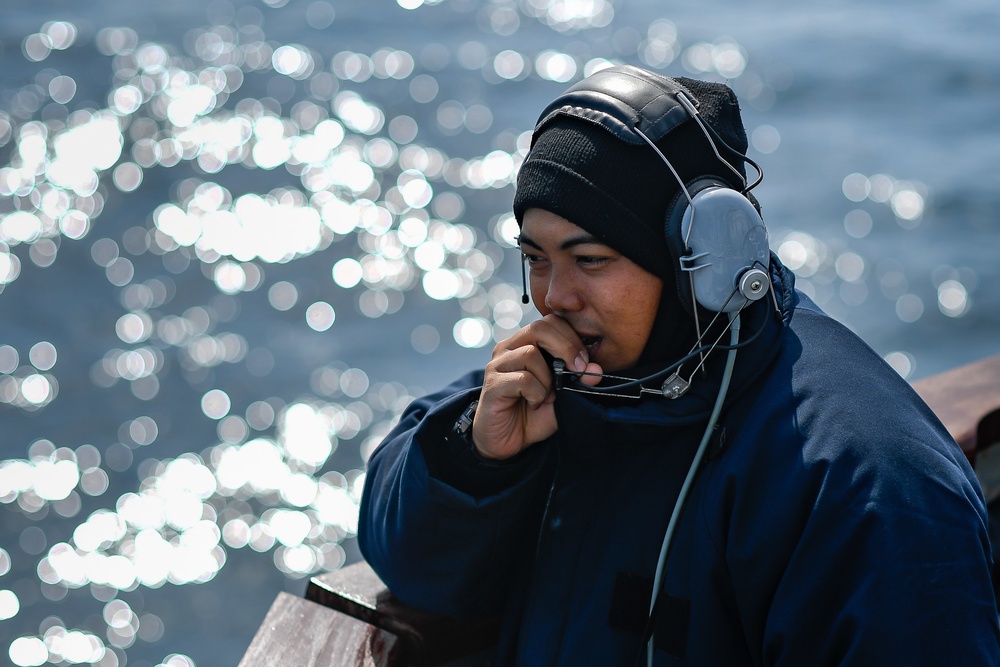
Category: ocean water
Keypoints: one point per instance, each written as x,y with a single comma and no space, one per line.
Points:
238,236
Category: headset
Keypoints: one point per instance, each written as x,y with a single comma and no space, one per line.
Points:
714,232
715,235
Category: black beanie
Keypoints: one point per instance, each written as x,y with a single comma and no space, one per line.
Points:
620,192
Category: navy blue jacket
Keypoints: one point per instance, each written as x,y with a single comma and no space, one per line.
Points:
833,521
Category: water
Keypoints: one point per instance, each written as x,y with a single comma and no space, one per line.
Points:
237,237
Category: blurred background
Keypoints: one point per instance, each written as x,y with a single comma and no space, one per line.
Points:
237,237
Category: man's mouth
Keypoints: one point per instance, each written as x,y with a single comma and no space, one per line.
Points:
592,343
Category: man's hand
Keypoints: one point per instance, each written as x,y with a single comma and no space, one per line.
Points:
515,408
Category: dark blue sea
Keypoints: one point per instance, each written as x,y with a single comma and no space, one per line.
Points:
238,236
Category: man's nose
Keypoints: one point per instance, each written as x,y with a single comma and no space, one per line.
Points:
563,295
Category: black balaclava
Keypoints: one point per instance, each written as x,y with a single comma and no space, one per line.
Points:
620,192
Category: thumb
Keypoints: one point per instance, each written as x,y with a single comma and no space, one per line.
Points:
591,375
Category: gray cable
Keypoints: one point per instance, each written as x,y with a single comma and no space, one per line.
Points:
734,328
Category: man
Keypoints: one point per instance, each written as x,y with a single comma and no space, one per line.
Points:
671,468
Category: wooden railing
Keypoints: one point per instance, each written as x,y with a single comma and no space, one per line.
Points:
967,401
349,618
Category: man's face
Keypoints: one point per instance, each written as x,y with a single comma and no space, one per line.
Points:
609,300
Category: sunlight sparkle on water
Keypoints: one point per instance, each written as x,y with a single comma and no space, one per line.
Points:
168,531
358,153
9,604
905,199
953,298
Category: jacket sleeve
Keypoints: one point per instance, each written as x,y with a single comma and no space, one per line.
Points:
867,543
441,526
891,568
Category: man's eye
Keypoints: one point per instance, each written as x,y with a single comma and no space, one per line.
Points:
589,260
531,259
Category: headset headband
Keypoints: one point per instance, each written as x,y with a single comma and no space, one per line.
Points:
622,99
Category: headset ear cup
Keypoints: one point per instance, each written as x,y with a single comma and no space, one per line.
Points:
675,241
726,239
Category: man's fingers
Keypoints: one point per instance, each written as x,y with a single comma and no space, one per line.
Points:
527,358
592,376
552,334
521,373
515,405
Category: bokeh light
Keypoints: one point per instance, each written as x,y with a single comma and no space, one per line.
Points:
225,202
